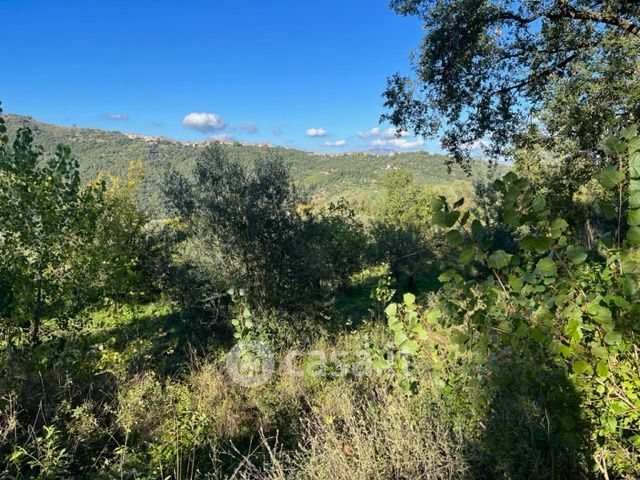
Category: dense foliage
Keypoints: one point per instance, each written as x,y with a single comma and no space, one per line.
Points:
558,74
233,311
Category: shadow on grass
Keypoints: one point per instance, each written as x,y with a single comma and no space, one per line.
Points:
534,427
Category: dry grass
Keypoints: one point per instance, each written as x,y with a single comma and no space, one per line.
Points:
384,436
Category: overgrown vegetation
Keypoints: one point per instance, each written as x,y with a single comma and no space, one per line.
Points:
245,327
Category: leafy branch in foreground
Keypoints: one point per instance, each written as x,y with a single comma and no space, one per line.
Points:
560,319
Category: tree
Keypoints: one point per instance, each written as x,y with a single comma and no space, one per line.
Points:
250,231
401,231
121,251
402,201
340,241
558,73
47,218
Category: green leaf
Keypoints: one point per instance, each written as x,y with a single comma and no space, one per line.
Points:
466,255
458,337
634,145
438,218
574,329
537,244
516,283
558,226
612,146
454,237
395,325
419,332
409,299
546,267
600,314
512,218
633,217
538,204
451,218
634,199
629,132
633,235
579,367
380,364
433,316
391,310
576,254
629,286
599,351
602,370
437,203
410,347
634,165
537,335
609,177
399,338
499,259
613,338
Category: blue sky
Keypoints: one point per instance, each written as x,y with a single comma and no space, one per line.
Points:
307,74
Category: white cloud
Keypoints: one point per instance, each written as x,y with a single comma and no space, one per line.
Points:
203,122
374,132
337,143
389,133
398,142
250,127
116,116
316,132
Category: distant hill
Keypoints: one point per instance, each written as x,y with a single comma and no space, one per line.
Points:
325,176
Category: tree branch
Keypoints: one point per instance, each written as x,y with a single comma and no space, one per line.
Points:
569,11
544,73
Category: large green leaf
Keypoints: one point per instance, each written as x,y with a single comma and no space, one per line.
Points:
634,145
538,204
391,310
499,259
613,338
546,267
602,370
629,132
613,146
633,235
558,226
581,367
466,255
451,218
410,347
633,217
600,313
454,237
512,218
537,243
409,299
576,254
634,165
610,176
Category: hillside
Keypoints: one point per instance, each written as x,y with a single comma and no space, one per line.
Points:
354,175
